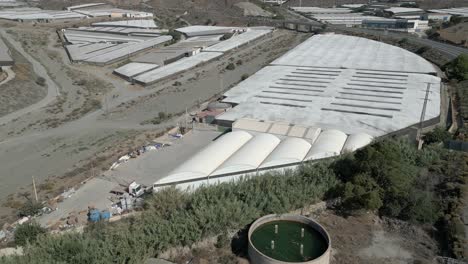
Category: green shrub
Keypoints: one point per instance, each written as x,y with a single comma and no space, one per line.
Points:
41,81
437,135
28,232
458,68
175,218
231,66
222,240
389,176
30,208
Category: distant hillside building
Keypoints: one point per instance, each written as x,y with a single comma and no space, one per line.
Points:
404,25
275,2
405,12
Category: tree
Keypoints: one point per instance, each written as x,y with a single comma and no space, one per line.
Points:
432,33
458,68
222,240
28,232
437,135
230,66
176,35
41,81
379,176
29,208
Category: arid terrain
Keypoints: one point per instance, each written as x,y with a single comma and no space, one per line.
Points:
359,239
93,116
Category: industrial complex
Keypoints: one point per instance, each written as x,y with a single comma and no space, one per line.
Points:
35,14
259,131
101,44
332,94
201,45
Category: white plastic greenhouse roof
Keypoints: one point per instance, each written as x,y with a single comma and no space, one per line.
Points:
320,10
398,10
210,158
250,156
312,86
197,30
462,11
240,152
237,40
176,67
290,150
348,52
141,23
135,68
356,141
330,95
328,144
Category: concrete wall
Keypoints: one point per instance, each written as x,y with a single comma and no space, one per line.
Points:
256,257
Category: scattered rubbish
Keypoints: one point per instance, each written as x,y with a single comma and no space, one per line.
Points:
68,193
142,150
124,158
105,215
23,220
126,203
94,215
72,220
176,135
47,210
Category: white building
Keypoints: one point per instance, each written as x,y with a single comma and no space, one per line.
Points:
332,94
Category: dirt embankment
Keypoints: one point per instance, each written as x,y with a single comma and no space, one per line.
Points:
360,239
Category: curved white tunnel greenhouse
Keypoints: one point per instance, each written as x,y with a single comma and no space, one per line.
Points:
332,94
238,153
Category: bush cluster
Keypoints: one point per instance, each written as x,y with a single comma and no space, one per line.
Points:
389,176
175,218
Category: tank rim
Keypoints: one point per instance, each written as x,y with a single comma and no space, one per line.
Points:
289,217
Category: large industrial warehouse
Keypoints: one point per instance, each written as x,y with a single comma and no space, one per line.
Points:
330,95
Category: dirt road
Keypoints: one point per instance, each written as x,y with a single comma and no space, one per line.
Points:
10,75
52,152
52,88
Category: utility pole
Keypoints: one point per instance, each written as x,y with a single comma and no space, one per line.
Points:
221,86
34,188
423,114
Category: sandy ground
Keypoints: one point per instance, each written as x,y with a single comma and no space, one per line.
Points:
57,143
251,9
155,165
22,91
368,239
359,239
455,34
146,169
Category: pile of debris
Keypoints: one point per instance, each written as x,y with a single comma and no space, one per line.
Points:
134,154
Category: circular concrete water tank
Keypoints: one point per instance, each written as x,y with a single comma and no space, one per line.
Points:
287,238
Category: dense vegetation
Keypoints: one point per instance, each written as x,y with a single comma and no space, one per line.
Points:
399,181
28,232
461,91
175,218
390,177
458,68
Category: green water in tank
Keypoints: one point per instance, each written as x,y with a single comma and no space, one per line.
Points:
288,240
